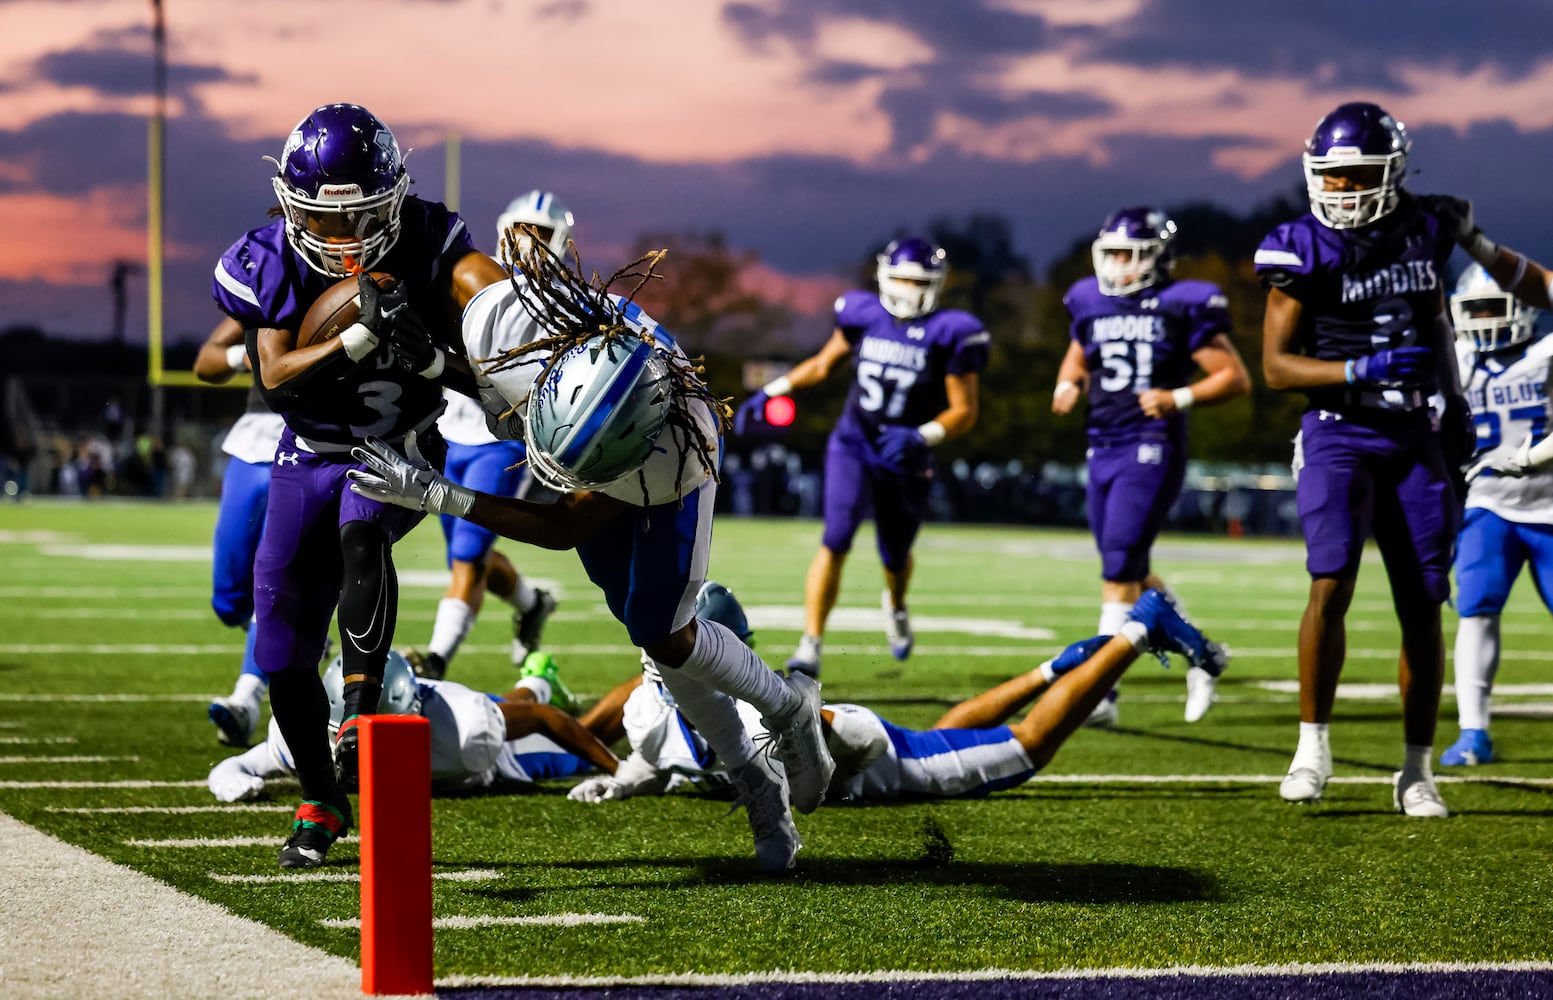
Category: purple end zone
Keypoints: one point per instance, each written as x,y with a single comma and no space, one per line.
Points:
1479,985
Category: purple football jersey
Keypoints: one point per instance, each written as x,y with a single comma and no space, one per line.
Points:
900,364
1141,341
261,282
1363,290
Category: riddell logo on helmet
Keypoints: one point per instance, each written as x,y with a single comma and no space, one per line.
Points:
340,191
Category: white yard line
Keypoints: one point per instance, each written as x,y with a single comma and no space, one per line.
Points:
275,840
1267,779
102,784
21,740
64,760
171,810
988,975
467,875
545,920
77,925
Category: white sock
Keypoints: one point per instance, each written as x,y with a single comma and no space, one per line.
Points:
1113,615
714,714
249,689
523,596
1314,750
1136,633
539,686
1477,661
1415,759
454,620
719,660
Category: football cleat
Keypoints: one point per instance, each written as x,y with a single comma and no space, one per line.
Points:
316,827
806,658
800,744
428,665
762,790
347,745
1303,784
1415,795
1168,631
529,626
897,629
235,721
1076,655
1201,692
1471,748
1106,713
543,666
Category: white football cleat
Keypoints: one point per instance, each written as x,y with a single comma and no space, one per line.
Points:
1201,692
235,721
763,793
1416,796
801,745
1304,784
897,628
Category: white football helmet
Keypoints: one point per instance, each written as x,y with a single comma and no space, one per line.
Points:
545,212
401,694
1490,317
595,416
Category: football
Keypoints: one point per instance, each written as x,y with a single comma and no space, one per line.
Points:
336,309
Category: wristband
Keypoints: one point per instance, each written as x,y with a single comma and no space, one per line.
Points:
437,364
932,432
1348,371
1183,398
358,341
778,386
1480,248
237,357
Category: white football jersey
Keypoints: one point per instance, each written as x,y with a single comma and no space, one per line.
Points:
254,437
496,322
1509,402
463,422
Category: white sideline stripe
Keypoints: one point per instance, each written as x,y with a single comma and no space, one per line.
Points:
10,725
1266,779
102,784
170,810
468,875
469,923
272,841
987,975
145,939
18,696
63,760
18,740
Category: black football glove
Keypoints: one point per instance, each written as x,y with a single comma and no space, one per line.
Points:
413,348
1458,440
380,307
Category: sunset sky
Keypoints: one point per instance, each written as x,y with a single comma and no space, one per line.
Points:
805,131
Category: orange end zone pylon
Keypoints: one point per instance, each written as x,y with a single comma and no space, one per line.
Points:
395,854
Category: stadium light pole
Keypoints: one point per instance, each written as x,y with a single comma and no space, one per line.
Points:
155,188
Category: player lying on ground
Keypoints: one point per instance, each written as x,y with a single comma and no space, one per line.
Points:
477,740
616,417
970,751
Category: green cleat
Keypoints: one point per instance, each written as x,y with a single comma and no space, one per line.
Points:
543,666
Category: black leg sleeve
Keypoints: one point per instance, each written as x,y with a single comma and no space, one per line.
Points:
369,606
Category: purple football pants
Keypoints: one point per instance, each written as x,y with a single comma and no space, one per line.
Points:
856,486
298,568
1388,475
1132,487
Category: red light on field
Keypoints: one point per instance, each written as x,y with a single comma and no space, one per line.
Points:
780,411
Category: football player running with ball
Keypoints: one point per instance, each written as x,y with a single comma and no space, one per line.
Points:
1138,336
1356,321
915,385
1505,367
345,210
618,419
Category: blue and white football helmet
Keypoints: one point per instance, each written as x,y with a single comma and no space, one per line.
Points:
1355,135
716,603
911,273
545,212
1487,315
341,182
401,694
594,417
1133,250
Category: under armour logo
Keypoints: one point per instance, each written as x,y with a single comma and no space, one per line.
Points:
916,332
287,458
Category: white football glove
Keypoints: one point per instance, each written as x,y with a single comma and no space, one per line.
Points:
596,790
1516,464
406,482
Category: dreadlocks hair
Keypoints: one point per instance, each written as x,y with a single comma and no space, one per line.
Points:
573,309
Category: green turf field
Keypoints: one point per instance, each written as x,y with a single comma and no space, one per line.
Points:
1098,871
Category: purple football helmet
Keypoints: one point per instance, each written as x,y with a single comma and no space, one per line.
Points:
341,182
1355,135
911,273
1132,250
